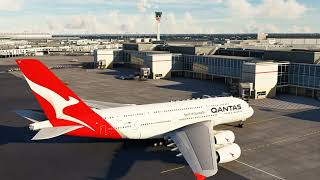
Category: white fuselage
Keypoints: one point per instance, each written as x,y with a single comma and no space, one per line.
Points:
155,120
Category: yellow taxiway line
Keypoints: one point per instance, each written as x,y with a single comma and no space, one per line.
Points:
174,169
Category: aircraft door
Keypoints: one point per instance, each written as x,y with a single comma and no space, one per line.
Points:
133,129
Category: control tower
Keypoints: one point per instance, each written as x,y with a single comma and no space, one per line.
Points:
158,18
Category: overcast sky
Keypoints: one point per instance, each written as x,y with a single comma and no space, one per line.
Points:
179,16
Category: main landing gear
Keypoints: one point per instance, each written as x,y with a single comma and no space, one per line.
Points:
163,142
158,144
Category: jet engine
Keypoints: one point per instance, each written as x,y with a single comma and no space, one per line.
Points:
228,153
224,137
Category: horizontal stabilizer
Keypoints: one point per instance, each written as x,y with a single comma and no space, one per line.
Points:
52,132
32,115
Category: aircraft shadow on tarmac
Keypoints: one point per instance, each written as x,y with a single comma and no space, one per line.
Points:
10,134
123,159
136,150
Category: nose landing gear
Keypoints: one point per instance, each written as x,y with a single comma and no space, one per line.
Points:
241,124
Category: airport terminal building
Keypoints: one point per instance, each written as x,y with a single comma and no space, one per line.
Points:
273,73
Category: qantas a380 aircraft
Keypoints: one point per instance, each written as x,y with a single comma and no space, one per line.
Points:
187,125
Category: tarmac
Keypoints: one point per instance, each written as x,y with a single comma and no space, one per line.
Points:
276,143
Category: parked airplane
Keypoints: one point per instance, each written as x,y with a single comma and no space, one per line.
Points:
186,125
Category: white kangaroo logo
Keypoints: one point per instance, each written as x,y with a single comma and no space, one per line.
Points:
57,102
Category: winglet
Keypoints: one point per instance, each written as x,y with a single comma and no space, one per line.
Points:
199,176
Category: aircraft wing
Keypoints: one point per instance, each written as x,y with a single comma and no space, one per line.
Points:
196,143
104,105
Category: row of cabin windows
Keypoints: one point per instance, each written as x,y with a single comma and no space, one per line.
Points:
231,112
167,111
123,127
171,110
198,117
145,124
130,115
225,104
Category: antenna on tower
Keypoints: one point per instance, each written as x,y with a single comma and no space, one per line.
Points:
158,18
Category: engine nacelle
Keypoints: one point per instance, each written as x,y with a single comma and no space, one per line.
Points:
228,153
224,137
40,125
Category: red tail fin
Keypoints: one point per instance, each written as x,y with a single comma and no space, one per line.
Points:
60,104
